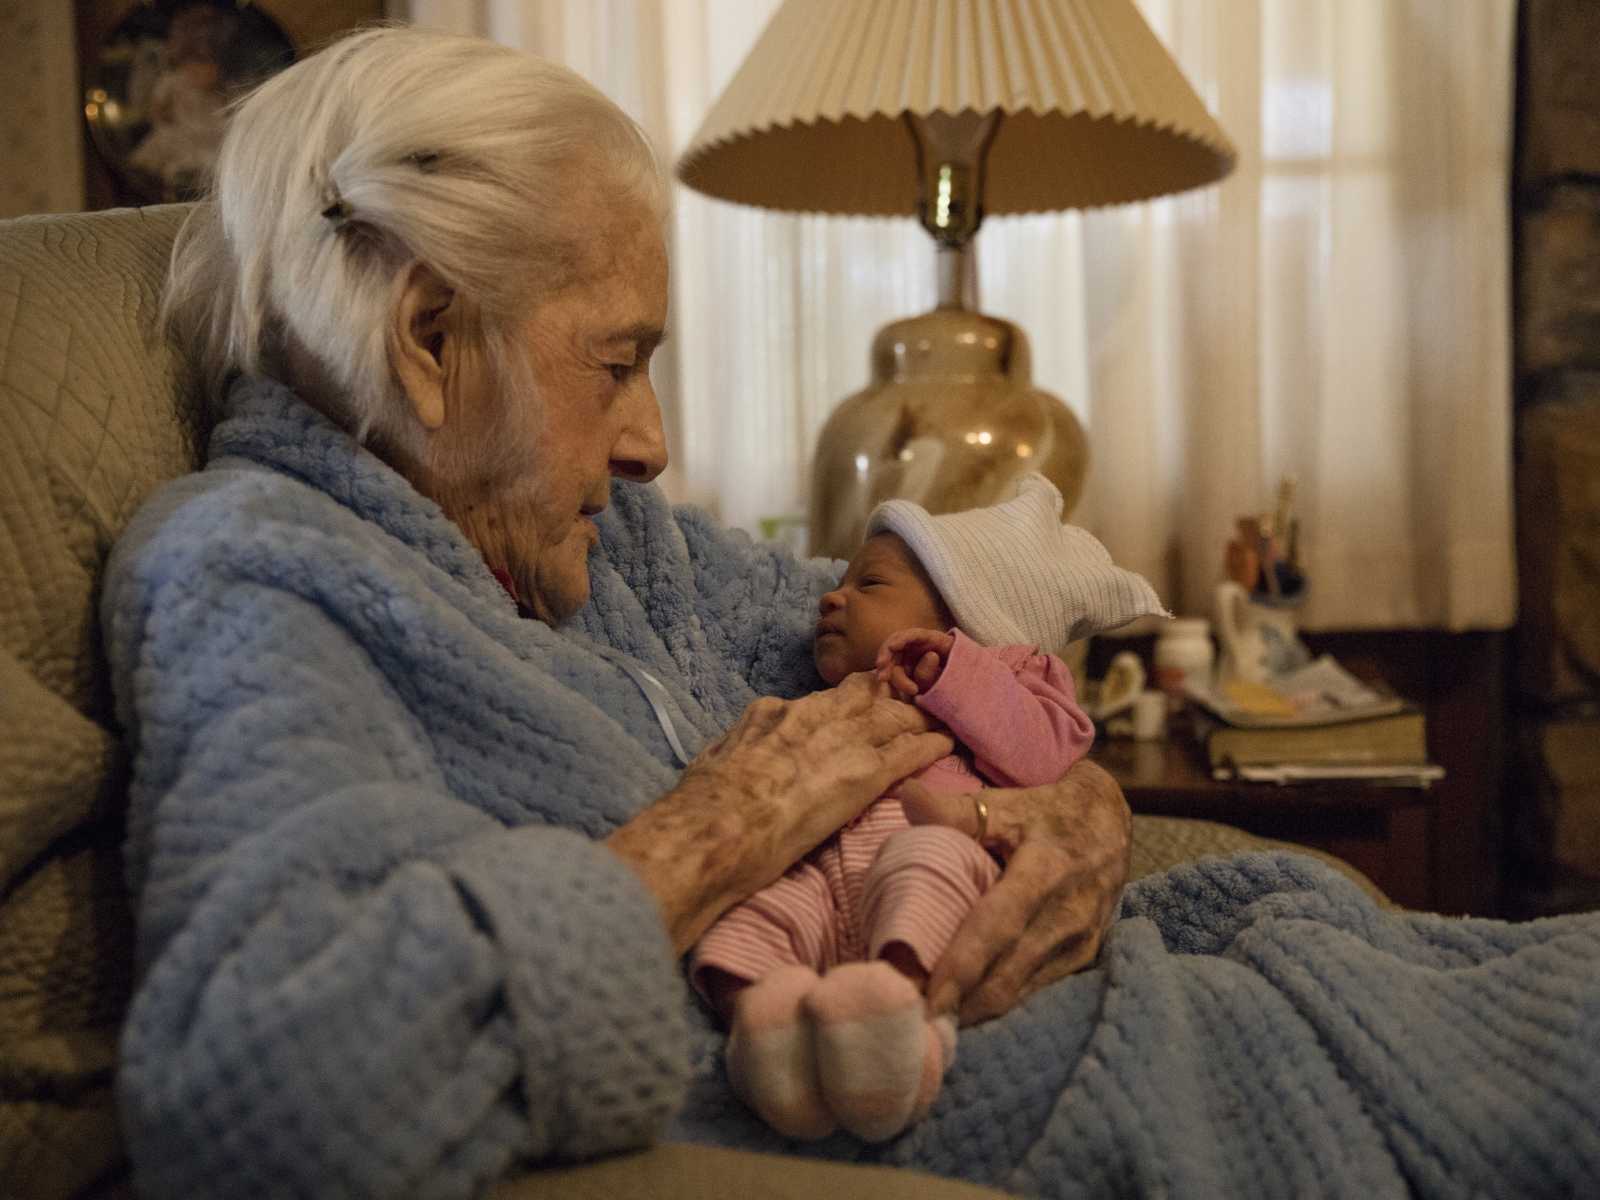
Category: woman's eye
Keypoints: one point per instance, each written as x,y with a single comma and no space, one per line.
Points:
620,371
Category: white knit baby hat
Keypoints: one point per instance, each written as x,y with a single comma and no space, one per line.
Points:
1014,573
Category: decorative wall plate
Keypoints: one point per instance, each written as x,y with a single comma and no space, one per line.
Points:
159,87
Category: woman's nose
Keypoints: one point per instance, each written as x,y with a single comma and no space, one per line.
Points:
640,452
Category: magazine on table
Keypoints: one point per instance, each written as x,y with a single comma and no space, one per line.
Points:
1319,693
1381,774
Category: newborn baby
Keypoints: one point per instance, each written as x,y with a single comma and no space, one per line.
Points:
821,974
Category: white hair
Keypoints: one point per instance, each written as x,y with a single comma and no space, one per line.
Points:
390,147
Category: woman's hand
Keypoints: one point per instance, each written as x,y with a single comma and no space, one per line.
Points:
912,660
1065,847
788,774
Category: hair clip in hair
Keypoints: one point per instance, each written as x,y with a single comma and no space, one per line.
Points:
335,211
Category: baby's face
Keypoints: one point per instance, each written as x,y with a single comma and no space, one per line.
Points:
884,591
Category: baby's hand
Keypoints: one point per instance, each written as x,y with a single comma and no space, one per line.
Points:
911,661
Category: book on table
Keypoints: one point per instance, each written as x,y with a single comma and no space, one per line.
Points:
1320,723
1399,738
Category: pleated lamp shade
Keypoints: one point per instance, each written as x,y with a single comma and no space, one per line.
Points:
1095,110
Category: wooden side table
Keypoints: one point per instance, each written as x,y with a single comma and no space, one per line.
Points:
1387,833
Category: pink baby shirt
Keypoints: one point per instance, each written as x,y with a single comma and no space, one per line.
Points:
880,879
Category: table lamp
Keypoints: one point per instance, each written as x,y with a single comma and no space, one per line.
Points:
950,110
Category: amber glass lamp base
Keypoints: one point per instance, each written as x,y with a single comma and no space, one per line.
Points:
950,420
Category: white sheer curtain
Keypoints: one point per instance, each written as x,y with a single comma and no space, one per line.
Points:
1337,311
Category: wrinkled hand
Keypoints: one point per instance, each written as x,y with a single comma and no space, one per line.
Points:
1066,848
784,777
802,768
911,660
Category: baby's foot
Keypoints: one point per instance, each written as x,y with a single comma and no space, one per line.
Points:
772,1062
879,1059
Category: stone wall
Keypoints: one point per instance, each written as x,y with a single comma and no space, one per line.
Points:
1556,707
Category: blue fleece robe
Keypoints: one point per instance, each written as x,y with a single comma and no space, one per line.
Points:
380,952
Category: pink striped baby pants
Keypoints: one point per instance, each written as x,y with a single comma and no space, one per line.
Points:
879,880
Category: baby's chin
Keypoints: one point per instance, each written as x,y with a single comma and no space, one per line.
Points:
831,664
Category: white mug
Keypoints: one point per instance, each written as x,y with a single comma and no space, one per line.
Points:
1259,640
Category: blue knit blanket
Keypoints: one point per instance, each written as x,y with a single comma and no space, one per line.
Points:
381,952
1258,1027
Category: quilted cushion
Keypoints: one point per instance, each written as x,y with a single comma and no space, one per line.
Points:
1160,843
97,411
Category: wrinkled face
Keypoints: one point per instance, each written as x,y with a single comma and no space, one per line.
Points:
884,591
523,478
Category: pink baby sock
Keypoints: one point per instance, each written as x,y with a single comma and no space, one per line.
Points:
879,1059
772,1059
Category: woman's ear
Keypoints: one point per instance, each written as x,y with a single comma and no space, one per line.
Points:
420,330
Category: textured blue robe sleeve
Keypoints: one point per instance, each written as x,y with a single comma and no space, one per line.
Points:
757,604
352,983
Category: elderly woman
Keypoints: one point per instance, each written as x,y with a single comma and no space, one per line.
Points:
413,871
450,737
